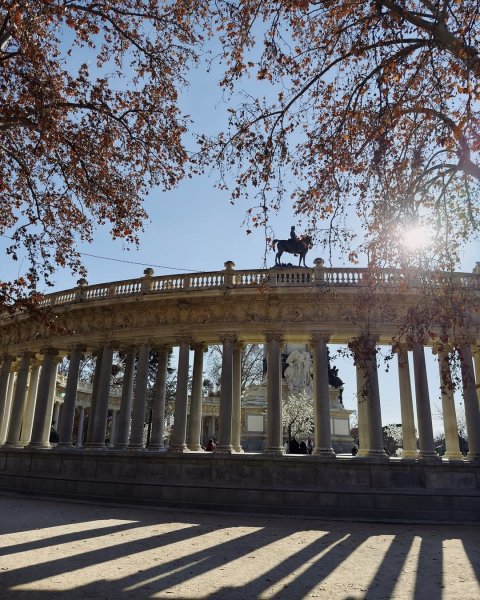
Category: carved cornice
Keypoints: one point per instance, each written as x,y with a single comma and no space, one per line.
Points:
228,337
200,311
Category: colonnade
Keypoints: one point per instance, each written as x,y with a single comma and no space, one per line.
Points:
27,396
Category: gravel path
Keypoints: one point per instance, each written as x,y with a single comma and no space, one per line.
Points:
56,549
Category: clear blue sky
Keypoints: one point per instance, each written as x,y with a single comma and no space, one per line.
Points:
195,228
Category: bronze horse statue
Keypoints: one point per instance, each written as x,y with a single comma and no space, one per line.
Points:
299,246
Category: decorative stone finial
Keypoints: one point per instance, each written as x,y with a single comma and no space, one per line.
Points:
477,268
319,263
148,272
229,265
82,282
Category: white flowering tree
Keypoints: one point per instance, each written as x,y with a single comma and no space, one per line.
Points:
393,438
297,415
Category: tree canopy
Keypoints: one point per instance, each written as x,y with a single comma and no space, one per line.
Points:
356,113
89,122
370,114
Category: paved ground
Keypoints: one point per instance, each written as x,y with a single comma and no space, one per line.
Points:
52,549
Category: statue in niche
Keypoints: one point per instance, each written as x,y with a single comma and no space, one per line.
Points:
298,373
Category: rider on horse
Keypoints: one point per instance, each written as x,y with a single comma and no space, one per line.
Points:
293,235
295,245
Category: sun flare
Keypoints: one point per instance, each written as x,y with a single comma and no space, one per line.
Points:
417,237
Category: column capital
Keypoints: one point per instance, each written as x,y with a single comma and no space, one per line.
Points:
319,336
466,340
239,345
441,348
183,339
199,346
363,347
274,336
161,348
80,347
228,337
53,352
399,347
416,340
141,342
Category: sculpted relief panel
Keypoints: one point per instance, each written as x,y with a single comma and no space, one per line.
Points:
163,319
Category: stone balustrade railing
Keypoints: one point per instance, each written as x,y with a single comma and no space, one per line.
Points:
294,276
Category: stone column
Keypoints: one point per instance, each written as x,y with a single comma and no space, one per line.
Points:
226,397
321,397
125,416
113,428
52,389
450,425
406,406
472,411
476,360
211,427
68,414
375,432
179,430
237,397
44,401
19,401
424,415
158,405
56,414
101,405
274,395
12,382
81,423
362,413
4,405
195,420
93,400
140,399
29,411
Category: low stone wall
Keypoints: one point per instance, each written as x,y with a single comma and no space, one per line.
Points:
345,488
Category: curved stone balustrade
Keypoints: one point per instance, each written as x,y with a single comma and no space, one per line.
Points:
294,276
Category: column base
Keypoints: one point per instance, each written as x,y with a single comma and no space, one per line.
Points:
40,445
13,445
453,456
182,448
428,456
156,448
239,449
224,450
324,452
377,454
472,457
136,447
96,447
67,447
195,448
411,454
362,453
275,451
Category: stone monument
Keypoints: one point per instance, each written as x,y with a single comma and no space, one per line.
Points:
297,377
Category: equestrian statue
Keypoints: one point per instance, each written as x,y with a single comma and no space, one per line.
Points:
295,245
